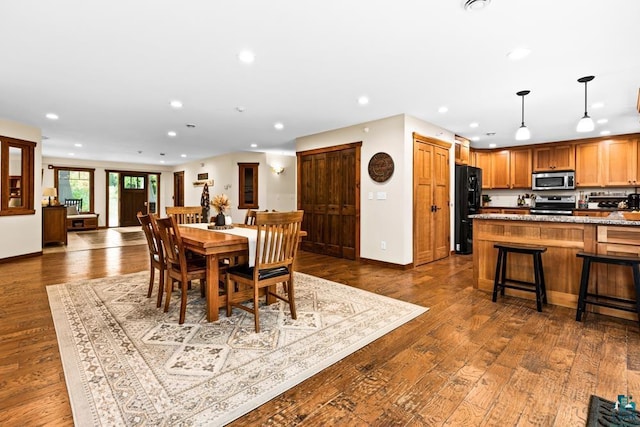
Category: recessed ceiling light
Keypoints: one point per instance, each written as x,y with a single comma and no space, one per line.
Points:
162,161
176,104
52,116
518,53
246,56
475,138
492,145
171,133
474,124
183,155
443,109
254,145
77,145
597,105
605,132
476,4
363,100
240,109
602,121
278,126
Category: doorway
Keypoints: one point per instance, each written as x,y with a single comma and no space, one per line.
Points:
178,188
129,193
133,198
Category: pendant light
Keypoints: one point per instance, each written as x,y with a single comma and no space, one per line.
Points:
523,132
586,123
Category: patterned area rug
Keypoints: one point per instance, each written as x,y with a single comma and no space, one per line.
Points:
128,363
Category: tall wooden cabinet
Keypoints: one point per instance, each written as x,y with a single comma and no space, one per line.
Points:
329,194
54,226
430,199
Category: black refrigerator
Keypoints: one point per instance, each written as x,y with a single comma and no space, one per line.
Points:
468,202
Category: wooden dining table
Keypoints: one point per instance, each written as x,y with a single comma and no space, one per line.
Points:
215,246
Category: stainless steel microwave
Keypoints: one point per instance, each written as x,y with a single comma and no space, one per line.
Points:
556,180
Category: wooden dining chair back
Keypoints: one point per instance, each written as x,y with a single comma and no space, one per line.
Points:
156,255
250,217
180,268
276,249
185,214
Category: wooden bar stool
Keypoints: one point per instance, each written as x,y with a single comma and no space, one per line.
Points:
501,282
585,297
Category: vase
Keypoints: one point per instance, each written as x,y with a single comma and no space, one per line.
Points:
220,220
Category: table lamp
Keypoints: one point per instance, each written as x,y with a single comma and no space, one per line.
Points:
49,192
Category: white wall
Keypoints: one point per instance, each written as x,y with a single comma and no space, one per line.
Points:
391,219
22,234
274,191
100,180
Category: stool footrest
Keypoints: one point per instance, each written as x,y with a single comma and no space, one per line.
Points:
601,300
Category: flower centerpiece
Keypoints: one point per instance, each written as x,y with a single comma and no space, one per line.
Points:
221,203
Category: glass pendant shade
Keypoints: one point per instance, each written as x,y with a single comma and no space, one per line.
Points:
523,133
585,124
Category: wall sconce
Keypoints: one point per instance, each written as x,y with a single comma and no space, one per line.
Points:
49,192
277,169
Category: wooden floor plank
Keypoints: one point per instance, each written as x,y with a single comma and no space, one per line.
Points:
467,361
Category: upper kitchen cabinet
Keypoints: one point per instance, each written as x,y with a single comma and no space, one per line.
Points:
462,150
482,160
588,165
621,161
504,169
520,165
554,157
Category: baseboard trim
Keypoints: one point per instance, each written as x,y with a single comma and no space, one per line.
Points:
386,264
17,257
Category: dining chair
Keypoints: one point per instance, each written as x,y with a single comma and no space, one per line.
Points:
250,217
185,214
180,268
276,249
156,255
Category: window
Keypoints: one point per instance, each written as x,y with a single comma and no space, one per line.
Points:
134,182
75,183
16,176
248,185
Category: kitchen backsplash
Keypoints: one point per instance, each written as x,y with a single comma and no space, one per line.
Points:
509,198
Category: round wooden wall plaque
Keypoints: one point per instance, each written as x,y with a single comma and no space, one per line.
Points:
381,167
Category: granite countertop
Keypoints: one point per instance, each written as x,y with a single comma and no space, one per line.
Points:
558,218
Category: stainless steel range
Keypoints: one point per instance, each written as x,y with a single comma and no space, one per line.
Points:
554,205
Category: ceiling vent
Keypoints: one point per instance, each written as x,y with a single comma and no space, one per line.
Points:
476,4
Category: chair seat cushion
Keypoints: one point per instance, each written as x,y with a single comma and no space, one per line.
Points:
267,273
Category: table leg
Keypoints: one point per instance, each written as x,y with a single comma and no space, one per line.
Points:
212,287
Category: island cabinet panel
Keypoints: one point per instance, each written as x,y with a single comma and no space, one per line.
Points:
615,279
561,266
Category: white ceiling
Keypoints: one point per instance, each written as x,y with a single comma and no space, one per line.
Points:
109,70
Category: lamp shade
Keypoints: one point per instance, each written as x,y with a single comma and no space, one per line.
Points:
49,192
585,124
523,133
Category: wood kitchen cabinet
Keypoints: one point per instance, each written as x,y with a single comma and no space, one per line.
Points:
588,165
554,157
520,166
54,226
462,151
500,169
482,160
620,162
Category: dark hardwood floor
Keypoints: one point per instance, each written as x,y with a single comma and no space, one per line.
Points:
467,361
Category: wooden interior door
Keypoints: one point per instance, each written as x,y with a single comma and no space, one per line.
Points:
431,234
178,188
329,194
133,198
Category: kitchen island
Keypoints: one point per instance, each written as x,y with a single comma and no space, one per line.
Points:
564,237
